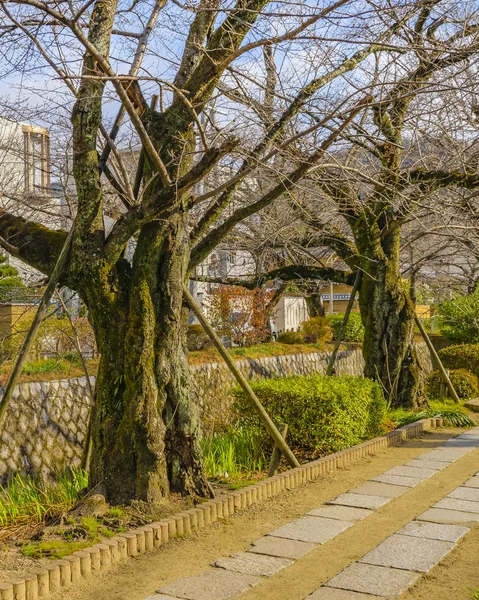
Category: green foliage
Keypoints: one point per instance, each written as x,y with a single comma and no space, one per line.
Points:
464,356
197,339
453,415
46,365
9,276
316,330
53,549
459,319
354,329
474,594
29,500
234,453
324,414
291,337
465,383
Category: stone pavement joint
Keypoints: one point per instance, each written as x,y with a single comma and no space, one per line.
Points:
397,480
337,594
360,500
253,564
434,531
341,513
211,585
281,547
465,493
472,483
370,579
375,488
316,530
442,515
462,505
437,465
406,471
409,553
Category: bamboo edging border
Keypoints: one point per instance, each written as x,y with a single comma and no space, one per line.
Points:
81,565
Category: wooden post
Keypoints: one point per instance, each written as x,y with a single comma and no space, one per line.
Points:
37,321
276,454
263,415
432,350
344,324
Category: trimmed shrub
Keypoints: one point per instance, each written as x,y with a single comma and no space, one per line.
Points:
354,329
196,338
459,318
465,356
316,330
291,337
465,383
324,414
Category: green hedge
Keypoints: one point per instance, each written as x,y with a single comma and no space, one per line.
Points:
354,329
324,414
464,356
291,337
465,383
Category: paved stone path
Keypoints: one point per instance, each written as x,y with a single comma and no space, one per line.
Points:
386,571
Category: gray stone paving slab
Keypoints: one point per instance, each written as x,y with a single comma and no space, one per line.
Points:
315,530
211,585
281,547
434,531
454,504
328,593
375,488
253,564
342,513
370,579
465,493
441,515
472,483
437,465
360,500
398,480
445,454
409,553
404,471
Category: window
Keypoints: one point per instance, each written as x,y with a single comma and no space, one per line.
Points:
37,160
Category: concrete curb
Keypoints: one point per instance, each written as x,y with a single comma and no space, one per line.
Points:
63,573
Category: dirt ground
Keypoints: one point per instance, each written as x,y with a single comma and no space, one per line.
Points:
140,577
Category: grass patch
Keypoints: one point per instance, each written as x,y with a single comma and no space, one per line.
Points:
234,454
54,549
27,500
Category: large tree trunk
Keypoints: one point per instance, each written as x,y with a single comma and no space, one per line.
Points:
145,422
388,319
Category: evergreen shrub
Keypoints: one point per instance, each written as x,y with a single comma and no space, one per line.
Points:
291,337
354,329
464,356
465,383
324,414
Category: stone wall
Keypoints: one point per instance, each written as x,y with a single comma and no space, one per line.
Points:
45,427
46,421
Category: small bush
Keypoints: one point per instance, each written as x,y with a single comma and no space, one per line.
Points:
197,339
354,329
291,337
459,318
465,356
316,330
324,414
465,383
47,365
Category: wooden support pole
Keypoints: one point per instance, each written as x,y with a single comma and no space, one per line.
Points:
344,324
432,350
37,321
276,454
263,415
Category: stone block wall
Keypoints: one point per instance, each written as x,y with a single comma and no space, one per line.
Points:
46,421
45,427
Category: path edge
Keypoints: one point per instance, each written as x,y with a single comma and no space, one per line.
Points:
61,574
